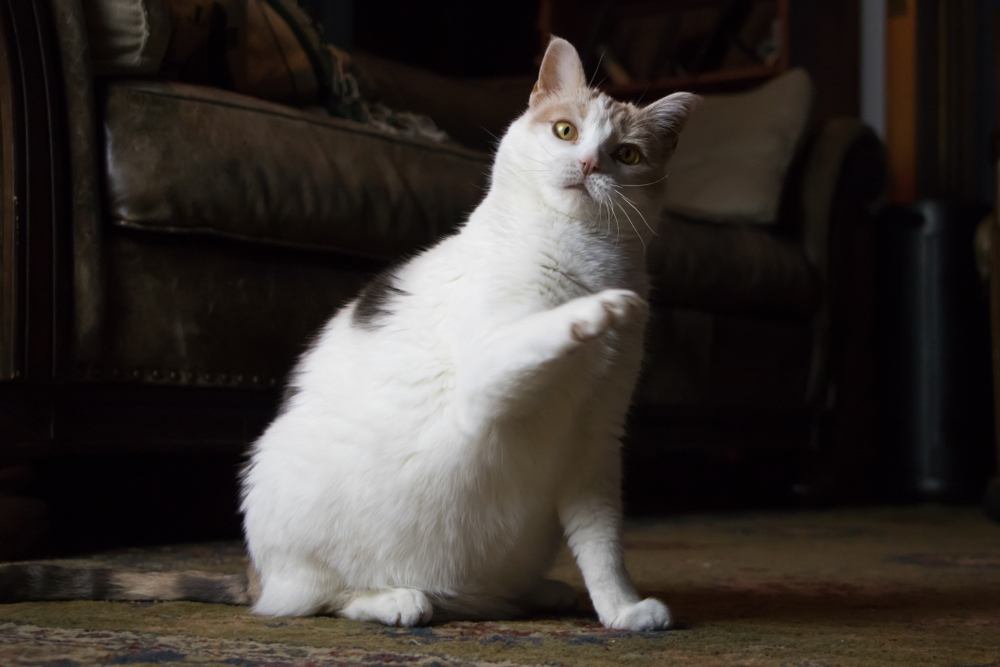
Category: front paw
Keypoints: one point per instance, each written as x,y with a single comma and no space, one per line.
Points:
605,310
648,614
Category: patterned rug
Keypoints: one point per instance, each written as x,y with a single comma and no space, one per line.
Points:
897,586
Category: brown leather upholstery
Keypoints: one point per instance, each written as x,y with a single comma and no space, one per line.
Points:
475,112
731,269
714,362
200,312
211,233
87,227
189,159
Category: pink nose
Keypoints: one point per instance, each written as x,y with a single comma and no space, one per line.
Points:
589,165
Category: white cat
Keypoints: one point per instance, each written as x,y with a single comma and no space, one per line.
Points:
464,414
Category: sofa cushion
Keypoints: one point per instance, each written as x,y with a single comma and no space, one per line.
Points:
699,362
127,36
734,153
473,111
188,159
731,268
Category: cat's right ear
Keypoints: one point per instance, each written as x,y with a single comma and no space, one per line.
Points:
561,70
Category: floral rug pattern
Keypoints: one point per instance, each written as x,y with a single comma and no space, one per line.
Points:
898,586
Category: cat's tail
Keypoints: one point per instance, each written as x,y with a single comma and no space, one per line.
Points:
476,608
23,582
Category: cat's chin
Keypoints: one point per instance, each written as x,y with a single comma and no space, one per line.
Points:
575,201
579,196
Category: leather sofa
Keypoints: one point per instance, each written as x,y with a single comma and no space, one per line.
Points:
169,248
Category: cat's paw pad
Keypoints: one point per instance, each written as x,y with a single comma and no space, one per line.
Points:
648,614
404,607
606,310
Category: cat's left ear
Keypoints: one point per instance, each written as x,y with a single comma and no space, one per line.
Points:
561,70
670,113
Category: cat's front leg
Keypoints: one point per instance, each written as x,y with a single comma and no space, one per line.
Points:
502,373
590,511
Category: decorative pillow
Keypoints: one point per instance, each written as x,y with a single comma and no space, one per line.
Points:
731,162
127,36
272,49
265,48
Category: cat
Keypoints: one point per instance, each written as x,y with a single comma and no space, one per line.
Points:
463,415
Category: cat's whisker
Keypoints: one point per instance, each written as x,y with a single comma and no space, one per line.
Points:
618,226
597,68
496,139
607,218
642,185
534,159
634,228
636,209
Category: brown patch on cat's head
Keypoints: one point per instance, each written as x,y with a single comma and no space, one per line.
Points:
562,93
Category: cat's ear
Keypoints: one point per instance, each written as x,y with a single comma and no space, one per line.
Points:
561,70
670,113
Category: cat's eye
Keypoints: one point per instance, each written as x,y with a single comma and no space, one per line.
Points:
565,130
628,154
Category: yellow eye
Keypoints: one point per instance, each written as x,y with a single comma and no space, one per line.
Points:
628,154
565,130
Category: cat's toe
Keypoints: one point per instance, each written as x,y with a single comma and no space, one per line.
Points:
404,607
592,322
624,306
648,614
413,608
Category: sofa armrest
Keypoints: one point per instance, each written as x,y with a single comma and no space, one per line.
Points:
82,223
843,179
47,112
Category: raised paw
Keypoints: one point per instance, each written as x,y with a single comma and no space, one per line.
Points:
404,607
648,614
605,310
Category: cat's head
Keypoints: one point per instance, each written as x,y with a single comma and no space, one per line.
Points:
587,155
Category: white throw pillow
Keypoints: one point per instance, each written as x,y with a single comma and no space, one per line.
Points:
734,152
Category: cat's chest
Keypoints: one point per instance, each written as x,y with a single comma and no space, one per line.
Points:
572,265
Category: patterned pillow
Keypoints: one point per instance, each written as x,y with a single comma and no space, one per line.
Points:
127,36
265,48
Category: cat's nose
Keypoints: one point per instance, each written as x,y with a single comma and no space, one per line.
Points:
589,165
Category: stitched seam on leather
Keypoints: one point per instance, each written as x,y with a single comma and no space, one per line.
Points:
260,240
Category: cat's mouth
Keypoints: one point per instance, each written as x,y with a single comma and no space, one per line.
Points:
580,187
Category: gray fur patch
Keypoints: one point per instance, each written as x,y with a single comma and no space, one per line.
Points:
373,303
225,589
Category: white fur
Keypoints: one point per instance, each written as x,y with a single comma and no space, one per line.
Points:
434,461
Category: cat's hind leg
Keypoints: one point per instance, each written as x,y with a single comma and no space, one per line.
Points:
295,589
404,607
